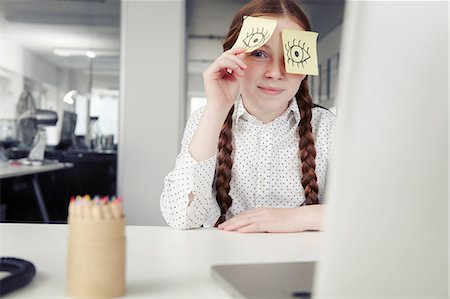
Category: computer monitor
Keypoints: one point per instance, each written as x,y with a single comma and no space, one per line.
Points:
386,228
386,231
69,121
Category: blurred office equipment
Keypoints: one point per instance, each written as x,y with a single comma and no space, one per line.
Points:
107,142
27,125
32,122
386,235
93,134
67,140
8,133
93,170
41,118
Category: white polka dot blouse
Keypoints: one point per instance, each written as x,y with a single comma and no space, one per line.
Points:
266,168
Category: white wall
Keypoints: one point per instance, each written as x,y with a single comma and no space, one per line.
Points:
11,85
152,103
18,62
21,61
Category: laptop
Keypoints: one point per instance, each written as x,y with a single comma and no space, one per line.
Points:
386,229
271,280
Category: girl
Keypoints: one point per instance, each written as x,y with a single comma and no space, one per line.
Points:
255,158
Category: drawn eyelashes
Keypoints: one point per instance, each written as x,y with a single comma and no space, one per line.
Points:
256,38
297,53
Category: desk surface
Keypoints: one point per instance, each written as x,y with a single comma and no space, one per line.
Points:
161,262
9,170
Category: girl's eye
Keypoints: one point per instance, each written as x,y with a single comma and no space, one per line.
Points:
259,54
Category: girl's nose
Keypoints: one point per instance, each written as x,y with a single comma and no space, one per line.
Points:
276,69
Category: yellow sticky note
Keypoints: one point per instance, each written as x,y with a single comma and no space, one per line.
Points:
300,51
255,32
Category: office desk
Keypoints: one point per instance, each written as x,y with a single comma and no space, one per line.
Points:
14,170
93,172
161,262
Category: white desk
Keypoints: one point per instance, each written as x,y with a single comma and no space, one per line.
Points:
161,262
14,170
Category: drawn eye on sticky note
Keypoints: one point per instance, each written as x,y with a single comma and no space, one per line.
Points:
255,32
300,52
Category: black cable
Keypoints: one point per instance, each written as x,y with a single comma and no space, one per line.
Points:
22,272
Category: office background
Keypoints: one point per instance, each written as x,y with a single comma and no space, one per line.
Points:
140,87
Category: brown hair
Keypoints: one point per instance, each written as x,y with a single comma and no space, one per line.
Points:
307,150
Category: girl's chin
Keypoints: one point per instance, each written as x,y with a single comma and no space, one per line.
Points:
263,99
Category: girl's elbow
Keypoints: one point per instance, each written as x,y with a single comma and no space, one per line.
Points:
178,223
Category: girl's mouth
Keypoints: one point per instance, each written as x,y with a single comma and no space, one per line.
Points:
271,90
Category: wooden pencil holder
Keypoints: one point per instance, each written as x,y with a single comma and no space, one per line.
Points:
96,258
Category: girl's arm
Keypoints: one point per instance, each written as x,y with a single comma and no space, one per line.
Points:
190,179
204,142
222,82
277,220
187,199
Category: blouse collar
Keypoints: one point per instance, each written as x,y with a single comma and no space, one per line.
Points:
242,113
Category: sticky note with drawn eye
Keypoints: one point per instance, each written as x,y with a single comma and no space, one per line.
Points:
300,52
255,32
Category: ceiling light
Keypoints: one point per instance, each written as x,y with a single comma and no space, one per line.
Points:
91,53
69,97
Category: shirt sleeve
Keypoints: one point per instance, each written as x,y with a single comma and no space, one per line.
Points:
324,137
190,176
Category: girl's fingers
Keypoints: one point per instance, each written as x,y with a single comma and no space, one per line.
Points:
251,228
238,60
227,64
236,223
235,51
235,72
241,55
231,55
232,60
237,218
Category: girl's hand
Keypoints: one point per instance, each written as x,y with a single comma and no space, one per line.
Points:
222,78
276,220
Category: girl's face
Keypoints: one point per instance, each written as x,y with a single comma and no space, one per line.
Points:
267,88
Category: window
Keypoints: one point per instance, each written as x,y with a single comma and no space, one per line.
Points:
195,103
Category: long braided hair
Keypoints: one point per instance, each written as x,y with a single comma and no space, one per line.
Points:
307,150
